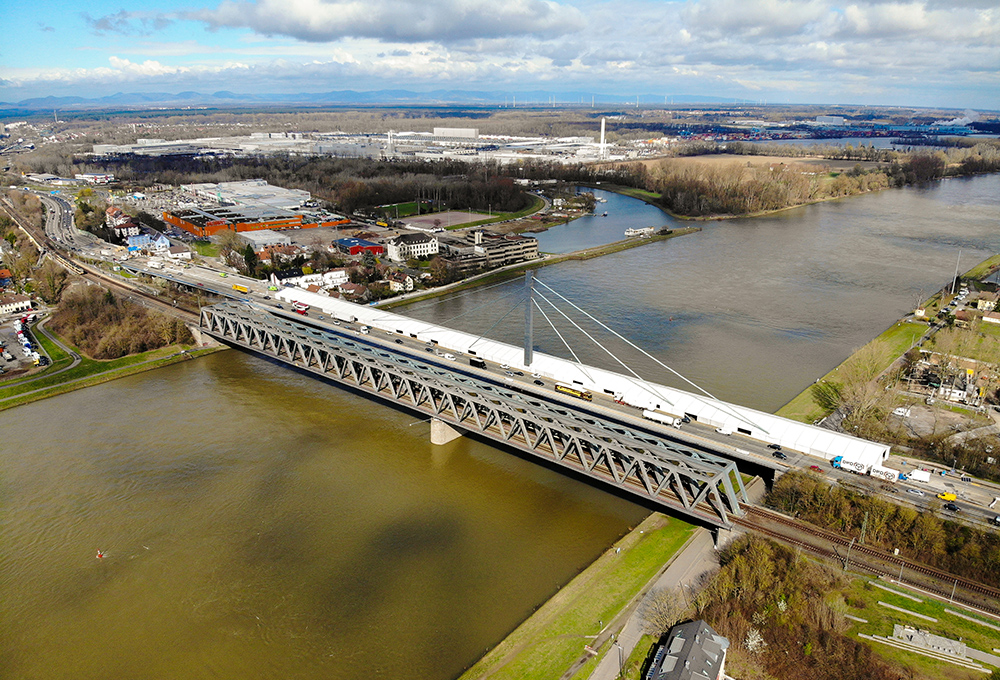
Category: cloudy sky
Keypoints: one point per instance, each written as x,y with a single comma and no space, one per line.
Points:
924,53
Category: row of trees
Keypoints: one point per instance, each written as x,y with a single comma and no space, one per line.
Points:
922,536
104,326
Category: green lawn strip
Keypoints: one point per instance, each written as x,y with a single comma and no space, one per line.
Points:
205,249
550,641
900,336
881,619
983,268
85,368
62,387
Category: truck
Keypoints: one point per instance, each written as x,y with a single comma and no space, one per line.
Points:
659,417
920,475
155,265
240,289
887,474
725,429
841,463
477,363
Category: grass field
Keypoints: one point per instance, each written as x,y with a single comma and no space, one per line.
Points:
548,643
862,602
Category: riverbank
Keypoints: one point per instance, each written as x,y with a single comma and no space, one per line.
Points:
514,271
900,337
70,370
581,614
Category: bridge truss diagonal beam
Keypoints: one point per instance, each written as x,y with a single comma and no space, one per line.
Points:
701,485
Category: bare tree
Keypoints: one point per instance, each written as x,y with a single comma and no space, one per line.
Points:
661,610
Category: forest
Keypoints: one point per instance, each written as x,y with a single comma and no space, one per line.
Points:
774,608
104,326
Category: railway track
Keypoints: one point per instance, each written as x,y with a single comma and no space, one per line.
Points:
872,560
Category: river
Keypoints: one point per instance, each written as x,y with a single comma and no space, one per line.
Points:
257,522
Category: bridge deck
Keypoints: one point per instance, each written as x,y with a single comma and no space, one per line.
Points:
677,477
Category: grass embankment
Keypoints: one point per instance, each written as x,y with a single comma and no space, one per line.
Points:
514,272
88,372
861,600
899,337
547,644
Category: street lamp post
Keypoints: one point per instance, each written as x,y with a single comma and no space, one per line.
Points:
848,559
621,659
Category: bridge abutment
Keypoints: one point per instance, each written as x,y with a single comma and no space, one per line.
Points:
442,432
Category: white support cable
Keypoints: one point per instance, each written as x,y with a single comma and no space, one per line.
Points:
592,339
579,363
478,307
513,307
724,405
645,385
439,300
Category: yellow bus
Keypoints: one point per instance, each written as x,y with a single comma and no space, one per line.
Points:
574,392
241,289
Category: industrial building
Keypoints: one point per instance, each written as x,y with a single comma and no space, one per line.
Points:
254,193
246,206
356,246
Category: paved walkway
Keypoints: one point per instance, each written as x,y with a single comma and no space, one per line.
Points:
698,558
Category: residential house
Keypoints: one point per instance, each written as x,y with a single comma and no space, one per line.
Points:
14,303
987,302
693,651
355,292
400,282
179,253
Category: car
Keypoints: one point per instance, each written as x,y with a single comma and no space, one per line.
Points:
539,375
539,382
518,373
951,507
267,297
947,496
429,349
279,306
320,317
915,492
508,374
398,341
815,468
685,420
776,447
504,367
779,455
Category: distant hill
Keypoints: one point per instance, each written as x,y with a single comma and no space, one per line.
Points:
224,99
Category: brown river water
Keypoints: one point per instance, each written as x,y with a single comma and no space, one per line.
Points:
257,522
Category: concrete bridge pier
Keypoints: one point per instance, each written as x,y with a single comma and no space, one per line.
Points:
442,432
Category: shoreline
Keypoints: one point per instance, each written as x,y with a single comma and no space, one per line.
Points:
977,272
513,271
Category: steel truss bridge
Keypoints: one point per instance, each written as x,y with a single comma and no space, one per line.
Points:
574,436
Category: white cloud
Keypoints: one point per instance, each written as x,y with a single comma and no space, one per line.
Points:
394,20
